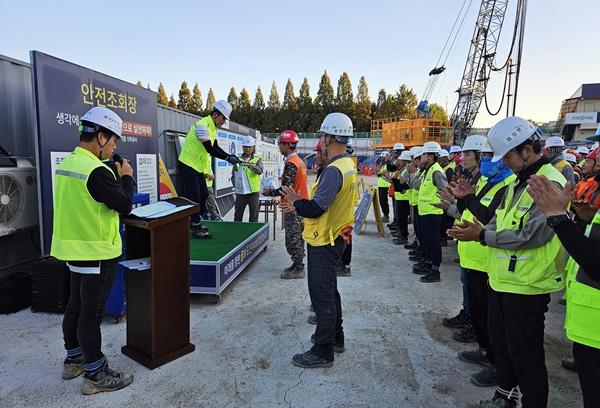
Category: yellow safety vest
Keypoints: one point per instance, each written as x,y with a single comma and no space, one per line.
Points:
325,229
526,271
381,182
413,199
582,318
472,254
398,196
84,229
194,153
428,192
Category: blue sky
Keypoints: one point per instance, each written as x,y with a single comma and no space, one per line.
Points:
250,43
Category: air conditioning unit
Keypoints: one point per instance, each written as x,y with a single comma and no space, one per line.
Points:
18,197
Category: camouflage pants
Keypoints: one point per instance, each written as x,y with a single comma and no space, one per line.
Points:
293,238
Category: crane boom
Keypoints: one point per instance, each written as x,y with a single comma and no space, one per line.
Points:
478,66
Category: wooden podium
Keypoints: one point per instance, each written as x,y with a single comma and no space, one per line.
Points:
158,299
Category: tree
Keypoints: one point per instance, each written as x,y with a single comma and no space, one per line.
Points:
405,102
172,103
344,99
139,83
195,106
185,97
380,105
271,123
438,113
324,102
289,108
161,96
257,116
244,108
362,111
305,107
232,98
210,101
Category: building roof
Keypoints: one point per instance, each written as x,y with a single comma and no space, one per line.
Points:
587,91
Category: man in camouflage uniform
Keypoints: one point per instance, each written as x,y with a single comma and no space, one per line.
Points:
294,175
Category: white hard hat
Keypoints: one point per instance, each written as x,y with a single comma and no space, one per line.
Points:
570,157
583,150
416,151
555,141
249,142
432,147
224,108
106,118
486,148
509,133
398,146
455,149
405,155
338,125
474,142
444,153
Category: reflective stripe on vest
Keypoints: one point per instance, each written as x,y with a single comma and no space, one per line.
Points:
526,271
325,229
582,318
381,182
472,254
194,153
428,192
83,229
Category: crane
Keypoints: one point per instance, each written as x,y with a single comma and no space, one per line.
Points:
481,62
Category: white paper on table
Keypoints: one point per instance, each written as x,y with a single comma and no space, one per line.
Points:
171,211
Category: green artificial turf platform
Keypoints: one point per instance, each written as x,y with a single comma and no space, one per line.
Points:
225,237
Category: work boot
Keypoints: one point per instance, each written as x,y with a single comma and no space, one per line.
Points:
465,335
497,401
338,346
392,225
478,356
459,321
200,232
486,377
105,380
310,360
385,218
296,272
421,268
414,245
431,278
401,241
345,270
567,363
415,252
312,319
73,367
415,258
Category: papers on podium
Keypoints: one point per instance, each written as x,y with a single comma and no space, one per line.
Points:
158,209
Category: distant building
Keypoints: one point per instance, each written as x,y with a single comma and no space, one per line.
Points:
580,114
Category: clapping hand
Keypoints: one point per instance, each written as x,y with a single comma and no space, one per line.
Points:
466,231
549,198
461,188
290,196
447,199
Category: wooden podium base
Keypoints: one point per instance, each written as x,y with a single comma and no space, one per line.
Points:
152,364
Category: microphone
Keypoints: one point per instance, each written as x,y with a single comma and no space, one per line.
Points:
118,159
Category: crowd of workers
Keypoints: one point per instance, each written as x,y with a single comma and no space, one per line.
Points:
525,217
524,214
